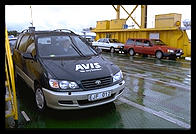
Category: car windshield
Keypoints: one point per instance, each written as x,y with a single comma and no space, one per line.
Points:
114,41
63,46
157,42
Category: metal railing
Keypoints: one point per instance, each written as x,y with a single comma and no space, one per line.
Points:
10,83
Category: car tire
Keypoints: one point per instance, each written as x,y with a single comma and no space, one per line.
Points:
159,54
131,52
112,50
40,99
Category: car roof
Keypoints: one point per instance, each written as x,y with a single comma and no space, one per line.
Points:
53,32
138,39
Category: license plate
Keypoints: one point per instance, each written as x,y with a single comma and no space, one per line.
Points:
177,54
98,96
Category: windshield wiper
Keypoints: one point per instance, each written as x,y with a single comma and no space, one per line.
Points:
75,47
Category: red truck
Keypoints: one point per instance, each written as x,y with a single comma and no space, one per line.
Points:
151,47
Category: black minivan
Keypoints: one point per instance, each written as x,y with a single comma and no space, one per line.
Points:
64,71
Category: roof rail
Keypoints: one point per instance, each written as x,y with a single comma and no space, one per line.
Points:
30,30
26,30
64,30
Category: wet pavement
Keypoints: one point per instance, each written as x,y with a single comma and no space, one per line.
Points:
157,95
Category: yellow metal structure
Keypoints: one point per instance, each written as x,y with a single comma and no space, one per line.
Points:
173,37
103,25
167,27
129,15
167,20
117,23
143,16
117,11
10,81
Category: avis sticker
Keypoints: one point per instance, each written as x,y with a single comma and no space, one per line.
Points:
90,67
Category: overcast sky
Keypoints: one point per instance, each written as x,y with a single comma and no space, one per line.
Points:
77,17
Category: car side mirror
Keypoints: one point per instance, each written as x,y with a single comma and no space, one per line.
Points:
28,56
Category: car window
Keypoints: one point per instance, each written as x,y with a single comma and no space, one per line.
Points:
139,42
130,41
18,40
105,41
65,46
114,41
31,49
100,40
23,43
157,42
55,46
146,42
85,49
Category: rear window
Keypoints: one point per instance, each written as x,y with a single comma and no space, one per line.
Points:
130,41
157,42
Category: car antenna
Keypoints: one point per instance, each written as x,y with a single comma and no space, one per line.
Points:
31,16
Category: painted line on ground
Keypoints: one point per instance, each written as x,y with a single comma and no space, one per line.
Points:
159,114
25,116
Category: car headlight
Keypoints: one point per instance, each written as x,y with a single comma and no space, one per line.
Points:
53,83
170,51
117,76
63,84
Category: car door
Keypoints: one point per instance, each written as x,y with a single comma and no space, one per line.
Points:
138,46
18,52
32,66
106,44
147,47
100,43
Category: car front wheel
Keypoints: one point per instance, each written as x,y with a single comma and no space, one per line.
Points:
40,100
131,52
159,54
112,50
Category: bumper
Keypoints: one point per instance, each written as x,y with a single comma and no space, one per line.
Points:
79,100
172,54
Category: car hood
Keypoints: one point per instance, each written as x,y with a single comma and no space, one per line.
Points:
77,69
166,47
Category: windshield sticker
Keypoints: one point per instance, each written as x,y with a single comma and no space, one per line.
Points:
44,40
90,67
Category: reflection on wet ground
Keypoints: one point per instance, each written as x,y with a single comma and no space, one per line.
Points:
159,85
163,85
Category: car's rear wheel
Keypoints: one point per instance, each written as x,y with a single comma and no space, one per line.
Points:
131,52
112,50
40,99
159,54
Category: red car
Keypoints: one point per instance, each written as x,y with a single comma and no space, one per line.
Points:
151,47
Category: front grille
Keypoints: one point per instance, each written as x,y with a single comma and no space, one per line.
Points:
92,84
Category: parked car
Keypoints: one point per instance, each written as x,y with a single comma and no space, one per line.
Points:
64,71
108,44
12,42
151,47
